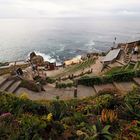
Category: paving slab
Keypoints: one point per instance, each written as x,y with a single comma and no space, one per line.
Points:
84,91
124,86
103,87
51,93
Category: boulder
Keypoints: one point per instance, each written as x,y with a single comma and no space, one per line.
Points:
32,55
36,59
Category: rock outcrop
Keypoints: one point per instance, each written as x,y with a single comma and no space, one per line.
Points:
36,59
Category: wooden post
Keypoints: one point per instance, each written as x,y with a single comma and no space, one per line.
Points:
75,92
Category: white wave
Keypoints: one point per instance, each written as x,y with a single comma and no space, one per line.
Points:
45,56
78,56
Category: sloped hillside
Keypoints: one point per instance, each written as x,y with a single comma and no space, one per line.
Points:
106,116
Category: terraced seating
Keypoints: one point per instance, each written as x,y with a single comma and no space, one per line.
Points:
2,80
9,84
77,67
14,87
126,58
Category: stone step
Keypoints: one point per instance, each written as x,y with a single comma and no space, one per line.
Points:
7,85
132,62
136,66
120,62
3,79
105,70
117,64
108,67
14,87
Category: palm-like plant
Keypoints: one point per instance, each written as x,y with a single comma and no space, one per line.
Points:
132,104
100,132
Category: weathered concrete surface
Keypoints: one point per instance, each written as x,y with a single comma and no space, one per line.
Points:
103,87
124,87
51,93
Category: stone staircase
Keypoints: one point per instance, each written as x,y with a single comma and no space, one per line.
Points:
136,66
126,58
9,84
120,62
3,80
123,87
106,68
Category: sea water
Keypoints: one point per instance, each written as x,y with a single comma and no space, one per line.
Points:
62,38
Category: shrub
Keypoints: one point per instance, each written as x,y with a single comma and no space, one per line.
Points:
64,85
131,106
108,91
24,96
100,132
58,109
9,127
102,101
131,131
89,81
50,80
30,127
119,77
41,80
29,85
15,105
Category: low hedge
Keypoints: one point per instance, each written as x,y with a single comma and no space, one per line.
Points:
41,80
64,85
50,80
15,105
119,77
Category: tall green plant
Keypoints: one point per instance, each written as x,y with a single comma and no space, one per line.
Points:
100,132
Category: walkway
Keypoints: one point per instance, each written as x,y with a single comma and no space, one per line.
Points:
12,86
51,93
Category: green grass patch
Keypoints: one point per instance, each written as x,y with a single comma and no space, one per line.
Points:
77,67
114,70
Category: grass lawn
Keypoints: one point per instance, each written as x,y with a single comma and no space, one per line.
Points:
116,70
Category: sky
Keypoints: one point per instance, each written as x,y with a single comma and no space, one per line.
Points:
69,8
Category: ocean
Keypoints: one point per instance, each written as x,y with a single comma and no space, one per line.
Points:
62,38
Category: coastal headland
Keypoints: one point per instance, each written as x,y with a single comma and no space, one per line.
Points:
52,80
